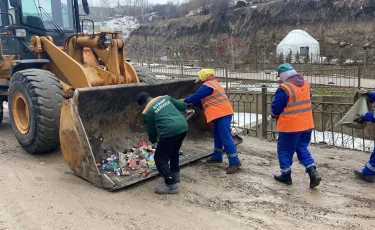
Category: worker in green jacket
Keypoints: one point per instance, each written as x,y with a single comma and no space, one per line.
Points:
164,120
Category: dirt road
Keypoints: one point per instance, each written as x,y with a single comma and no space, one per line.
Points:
40,192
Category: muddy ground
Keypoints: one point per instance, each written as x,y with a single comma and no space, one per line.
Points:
40,192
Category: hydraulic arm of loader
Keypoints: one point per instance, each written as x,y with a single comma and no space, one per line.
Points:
78,66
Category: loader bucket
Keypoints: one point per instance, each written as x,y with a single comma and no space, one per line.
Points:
109,118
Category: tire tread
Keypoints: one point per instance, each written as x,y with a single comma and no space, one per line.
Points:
46,94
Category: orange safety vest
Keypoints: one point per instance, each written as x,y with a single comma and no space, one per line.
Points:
297,115
217,104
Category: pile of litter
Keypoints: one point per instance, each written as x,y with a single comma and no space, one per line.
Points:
137,160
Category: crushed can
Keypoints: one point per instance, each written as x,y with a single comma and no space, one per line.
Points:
146,173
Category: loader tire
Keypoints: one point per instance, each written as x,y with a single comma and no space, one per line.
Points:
145,75
35,98
1,111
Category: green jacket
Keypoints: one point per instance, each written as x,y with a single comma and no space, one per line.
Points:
163,118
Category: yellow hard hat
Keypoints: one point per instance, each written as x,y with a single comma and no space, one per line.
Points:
204,74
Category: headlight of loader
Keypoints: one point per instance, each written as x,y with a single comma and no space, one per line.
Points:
21,33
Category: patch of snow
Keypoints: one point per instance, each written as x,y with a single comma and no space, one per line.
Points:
125,24
248,87
244,119
270,90
163,77
342,140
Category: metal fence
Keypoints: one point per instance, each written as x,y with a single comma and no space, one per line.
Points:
334,79
252,117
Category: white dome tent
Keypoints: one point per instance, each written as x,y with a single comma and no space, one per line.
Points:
302,47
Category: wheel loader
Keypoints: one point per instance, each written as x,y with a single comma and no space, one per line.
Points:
77,90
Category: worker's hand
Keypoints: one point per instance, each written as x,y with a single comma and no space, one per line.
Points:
360,120
189,105
363,91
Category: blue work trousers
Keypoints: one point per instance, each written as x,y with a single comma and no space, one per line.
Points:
222,132
288,144
369,168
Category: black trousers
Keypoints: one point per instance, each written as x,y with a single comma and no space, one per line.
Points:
167,151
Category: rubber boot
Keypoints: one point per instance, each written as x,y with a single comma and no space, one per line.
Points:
233,168
284,178
315,178
213,161
369,178
167,189
176,177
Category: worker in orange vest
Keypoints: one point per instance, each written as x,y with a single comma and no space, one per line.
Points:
292,109
218,110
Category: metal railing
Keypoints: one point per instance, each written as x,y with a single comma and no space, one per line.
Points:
252,117
335,79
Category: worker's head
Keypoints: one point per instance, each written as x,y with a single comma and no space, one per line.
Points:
285,71
143,98
204,74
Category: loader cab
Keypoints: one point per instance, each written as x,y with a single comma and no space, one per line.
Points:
23,19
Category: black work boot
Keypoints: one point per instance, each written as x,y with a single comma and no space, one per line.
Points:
233,168
286,178
167,189
369,178
176,177
213,161
315,178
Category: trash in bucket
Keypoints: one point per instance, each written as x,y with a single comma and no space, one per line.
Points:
132,161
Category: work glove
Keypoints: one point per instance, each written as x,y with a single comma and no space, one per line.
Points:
363,91
360,120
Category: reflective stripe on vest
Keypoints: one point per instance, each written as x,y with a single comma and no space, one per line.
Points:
218,97
217,104
208,104
215,96
297,115
294,99
297,111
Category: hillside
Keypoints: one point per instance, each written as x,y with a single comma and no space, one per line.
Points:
259,30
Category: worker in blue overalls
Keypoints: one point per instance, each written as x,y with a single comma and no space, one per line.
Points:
367,173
